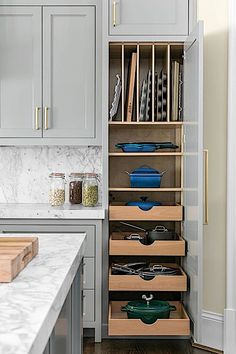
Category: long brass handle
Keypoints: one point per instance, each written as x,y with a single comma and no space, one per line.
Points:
37,109
114,13
206,201
46,118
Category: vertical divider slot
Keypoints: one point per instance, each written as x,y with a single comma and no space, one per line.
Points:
123,82
137,84
115,68
153,82
168,82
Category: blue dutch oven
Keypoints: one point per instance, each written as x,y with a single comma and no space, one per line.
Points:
145,177
144,204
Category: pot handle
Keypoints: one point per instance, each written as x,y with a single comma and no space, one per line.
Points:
172,308
123,308
162,173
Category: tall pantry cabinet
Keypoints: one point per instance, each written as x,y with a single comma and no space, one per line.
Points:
157,40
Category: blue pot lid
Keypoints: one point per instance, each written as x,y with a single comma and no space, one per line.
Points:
145,170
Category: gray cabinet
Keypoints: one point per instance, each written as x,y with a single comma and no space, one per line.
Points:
20,72
69,72
92,263
67,335
193,174
48,73
152,17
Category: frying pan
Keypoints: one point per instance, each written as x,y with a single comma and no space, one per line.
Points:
158,233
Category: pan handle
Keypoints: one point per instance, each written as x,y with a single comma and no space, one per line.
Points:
133,226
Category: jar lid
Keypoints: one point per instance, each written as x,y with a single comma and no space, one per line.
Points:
90,174
76,174
57,175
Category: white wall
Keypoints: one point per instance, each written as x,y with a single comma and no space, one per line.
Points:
215,16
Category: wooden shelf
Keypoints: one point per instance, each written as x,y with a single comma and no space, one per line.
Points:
124,189
146,154
161,124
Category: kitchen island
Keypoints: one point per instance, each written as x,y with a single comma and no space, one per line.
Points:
44,301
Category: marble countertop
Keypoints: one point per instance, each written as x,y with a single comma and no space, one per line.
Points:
46,211
30,305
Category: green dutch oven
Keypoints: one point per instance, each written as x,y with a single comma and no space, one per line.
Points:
148,310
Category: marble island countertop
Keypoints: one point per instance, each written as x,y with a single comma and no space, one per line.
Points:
46,211
31,304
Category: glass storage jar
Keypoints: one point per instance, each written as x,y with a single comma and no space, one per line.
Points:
75,188
57,189
90,190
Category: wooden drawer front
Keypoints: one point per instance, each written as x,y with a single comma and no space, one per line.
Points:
88,273
88,306
119,325
152,17
159,213
159,283
120,247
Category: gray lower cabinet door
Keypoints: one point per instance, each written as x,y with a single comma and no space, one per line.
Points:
20,71
148,17
69,79
61,338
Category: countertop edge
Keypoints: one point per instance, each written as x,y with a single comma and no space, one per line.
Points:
42,338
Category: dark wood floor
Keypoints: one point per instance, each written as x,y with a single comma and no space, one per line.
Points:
120,346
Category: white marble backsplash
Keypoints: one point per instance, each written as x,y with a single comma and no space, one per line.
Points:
24,171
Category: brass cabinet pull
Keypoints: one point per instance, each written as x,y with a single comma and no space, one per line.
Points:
46,118
206,190
114,13
37,109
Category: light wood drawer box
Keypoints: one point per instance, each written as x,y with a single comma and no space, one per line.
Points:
161,213
120,247
119,325
158,283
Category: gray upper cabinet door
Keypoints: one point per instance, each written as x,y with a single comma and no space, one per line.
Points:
20,72
193,174
148,17
69,80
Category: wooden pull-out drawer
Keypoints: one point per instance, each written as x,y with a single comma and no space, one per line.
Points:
119,325
158,283
157,213
120,247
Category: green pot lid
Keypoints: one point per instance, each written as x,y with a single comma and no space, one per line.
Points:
154,306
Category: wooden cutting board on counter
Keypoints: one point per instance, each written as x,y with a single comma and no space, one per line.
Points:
15,254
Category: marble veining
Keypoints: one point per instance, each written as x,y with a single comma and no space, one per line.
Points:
24,171
30,305
46,211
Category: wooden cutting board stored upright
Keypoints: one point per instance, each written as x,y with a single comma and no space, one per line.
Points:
15,254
